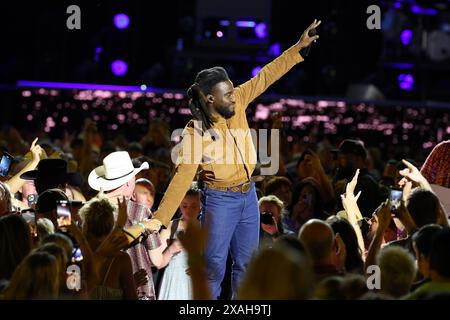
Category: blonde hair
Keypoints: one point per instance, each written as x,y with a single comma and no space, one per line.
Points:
398,270
61,240
277,273
35,278
272,199
5,199
44,227
98,217
59,253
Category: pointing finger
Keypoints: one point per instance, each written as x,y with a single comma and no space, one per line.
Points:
34,142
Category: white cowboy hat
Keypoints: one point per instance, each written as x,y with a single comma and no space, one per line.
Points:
117,169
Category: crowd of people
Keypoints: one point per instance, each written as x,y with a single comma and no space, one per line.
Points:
93,217
326,218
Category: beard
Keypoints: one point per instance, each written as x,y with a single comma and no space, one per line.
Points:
225,112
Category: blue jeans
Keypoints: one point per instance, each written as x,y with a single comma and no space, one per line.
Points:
232,219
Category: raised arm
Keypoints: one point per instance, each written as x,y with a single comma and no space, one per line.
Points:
383,215
273,71
181,181
88,140
413,175
350,204
184,174
15,183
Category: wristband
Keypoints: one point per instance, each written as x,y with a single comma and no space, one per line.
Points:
144,229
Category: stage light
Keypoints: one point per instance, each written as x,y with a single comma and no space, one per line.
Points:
119,67
405,81
406,36
219,34
245,24
416,9
98,51
121,21
143,87
261,30
256,70
274,50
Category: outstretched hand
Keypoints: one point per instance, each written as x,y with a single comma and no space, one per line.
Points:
384,216
349,200
412,174
305,39
36,151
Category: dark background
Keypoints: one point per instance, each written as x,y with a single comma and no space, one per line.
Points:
36,45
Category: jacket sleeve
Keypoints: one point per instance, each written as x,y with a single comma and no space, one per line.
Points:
184,174
271,72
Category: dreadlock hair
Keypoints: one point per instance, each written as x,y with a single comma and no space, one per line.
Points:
204,82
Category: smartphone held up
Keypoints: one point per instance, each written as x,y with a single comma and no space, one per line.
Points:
63,214
5,164
395,198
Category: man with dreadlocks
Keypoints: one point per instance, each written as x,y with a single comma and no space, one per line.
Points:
229,203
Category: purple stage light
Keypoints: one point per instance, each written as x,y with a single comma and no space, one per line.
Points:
119,67
121,21
245,24
423,11
399,65
406,36
275,49
405,81
261,30
224,23
89,86
98,51
256,70
219,34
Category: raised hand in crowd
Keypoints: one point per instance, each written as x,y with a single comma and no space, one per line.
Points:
350,205
15,183
405,218
316,170
89,262
383,216
113,243
349,200
412,174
